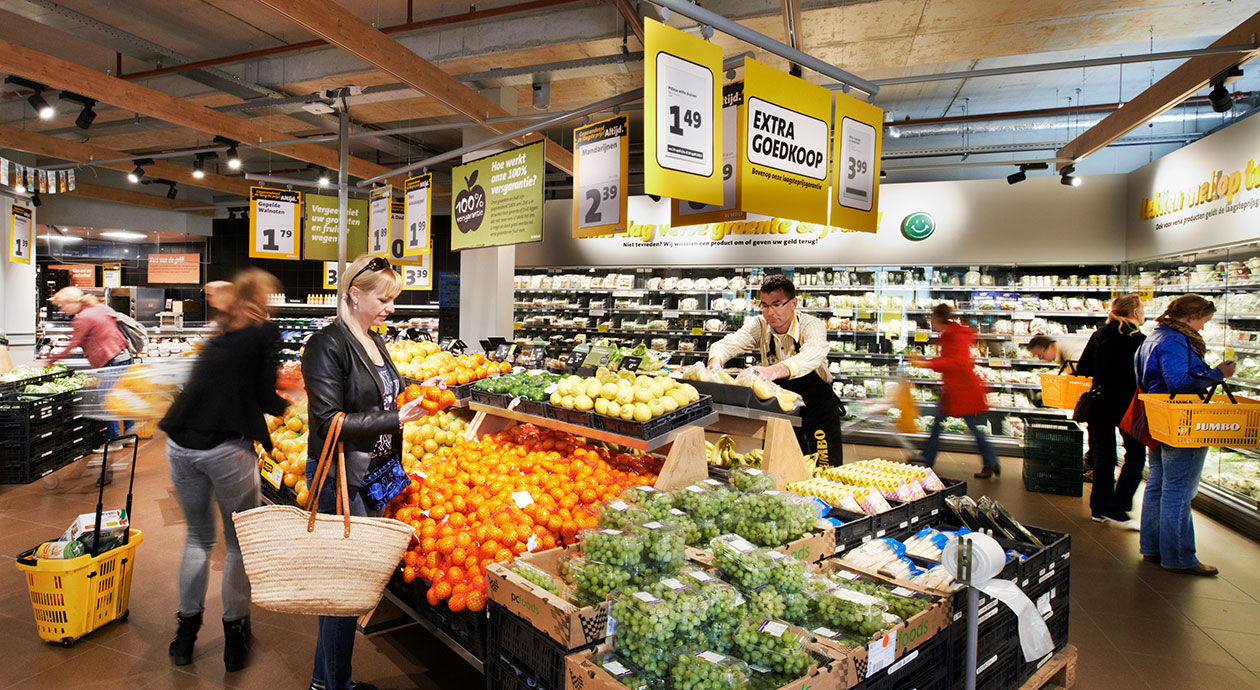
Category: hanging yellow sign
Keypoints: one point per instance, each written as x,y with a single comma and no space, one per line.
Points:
275,218
855,179
786,133
601,164
682,124
694,213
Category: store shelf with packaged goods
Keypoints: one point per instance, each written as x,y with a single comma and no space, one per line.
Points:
280,307
1015,314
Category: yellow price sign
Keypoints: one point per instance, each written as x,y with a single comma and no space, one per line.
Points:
517,325
272,472
921,337
602,328
697,331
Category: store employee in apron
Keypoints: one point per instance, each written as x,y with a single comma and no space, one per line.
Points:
793,348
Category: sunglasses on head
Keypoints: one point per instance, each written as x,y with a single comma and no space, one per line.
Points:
376,264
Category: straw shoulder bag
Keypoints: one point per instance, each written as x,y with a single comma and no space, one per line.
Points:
305,562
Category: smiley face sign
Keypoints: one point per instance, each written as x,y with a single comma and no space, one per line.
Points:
918,226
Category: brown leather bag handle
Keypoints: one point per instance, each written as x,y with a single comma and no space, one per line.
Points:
332,446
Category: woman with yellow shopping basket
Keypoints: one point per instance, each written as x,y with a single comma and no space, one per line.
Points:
1171,361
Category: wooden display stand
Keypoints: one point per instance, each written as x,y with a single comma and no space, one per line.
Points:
1059,673
783,457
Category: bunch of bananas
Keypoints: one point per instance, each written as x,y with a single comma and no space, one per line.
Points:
722,454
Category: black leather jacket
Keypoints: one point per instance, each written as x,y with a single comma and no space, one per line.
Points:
340,377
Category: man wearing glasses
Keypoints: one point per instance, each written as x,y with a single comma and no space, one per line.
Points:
793,349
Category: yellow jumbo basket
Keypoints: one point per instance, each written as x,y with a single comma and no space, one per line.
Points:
74,596
1194,421
1063,390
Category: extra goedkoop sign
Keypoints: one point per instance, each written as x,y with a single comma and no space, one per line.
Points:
784,169
498,200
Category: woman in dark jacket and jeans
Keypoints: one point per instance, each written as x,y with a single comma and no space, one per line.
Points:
1108,357
211,429
347,369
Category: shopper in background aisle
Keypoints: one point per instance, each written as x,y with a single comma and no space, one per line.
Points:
1171,361
962,391
96,333
1047,349
347,369
793,349
212,427
1107,358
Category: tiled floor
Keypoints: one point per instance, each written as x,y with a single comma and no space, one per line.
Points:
1135,625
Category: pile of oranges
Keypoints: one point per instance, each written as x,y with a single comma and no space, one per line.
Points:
488,501
423,360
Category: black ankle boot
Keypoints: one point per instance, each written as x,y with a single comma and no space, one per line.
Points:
181,649
235,644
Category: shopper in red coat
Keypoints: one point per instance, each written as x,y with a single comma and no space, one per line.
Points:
962,391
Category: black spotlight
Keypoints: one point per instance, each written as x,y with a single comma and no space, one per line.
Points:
233,157
134,176
87,115
1017,176
1219,98
172,192
1066,178
36,99
35,200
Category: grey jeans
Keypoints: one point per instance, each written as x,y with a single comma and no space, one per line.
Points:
226,474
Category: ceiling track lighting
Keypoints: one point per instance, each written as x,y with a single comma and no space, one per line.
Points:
199,163
172,192
233,156
36,201
36,99
87,115
1066,177
1022,173
1220,97
137,174
322,177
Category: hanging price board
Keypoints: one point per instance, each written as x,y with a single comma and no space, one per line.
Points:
330,275
419,209
601,164
682,133
274,223
857,144
379,216
418,276
111,275
695,213
20,230
598,356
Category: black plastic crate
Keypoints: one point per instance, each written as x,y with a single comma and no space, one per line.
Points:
503,674
954,487
284,496
8,388
469,628
1045,438
577,417
927,667
999,660
1058,624
1054,486
27,409
464,391
77,450
1054,468
534,407
1058,544
892,521
857,528
24,462
491,399
528,648
926,510
659,426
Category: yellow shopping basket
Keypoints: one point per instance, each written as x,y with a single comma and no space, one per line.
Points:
1194,420
1063,390
74,596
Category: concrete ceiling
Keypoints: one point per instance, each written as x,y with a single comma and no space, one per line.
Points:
876,39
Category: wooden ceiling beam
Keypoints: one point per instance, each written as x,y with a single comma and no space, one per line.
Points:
338,26
68,76
1174,88
633,20
64,149
134,198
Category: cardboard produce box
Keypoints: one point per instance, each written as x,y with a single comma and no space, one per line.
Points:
562,621
813,548
583,674
898,642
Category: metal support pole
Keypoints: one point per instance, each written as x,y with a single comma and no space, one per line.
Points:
973,610
747,35
343,164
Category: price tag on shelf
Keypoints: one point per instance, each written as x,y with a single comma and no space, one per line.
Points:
670,314
537,357
865,313
999,362
598,312
1023,316
843,312
630,363
697,331
602,328
517,325
272,473
598,356
1228,354
922,336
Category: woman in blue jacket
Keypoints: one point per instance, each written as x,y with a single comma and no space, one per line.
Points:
1171,361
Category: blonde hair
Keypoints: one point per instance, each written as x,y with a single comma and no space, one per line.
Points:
386,282
1123,309
70,294
249,308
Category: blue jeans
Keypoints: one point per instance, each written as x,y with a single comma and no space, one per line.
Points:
227,475
334,643
122,359
973,422
1167,528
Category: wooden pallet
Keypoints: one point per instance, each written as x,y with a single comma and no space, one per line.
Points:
1059,673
